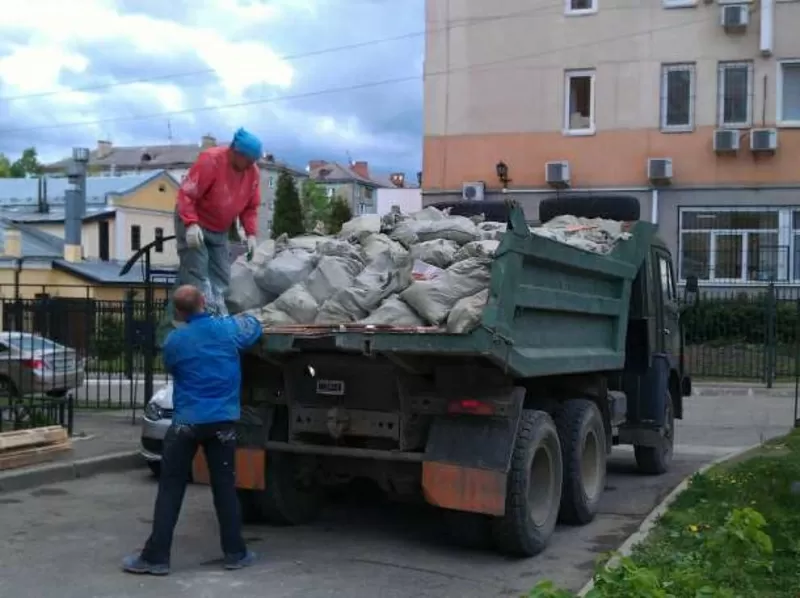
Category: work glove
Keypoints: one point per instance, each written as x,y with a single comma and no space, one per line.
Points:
251,247
194,236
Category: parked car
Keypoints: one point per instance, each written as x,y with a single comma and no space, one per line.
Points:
156,420
34,365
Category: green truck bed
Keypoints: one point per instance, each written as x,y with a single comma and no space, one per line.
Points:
552,309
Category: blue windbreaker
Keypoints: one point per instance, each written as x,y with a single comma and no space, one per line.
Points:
203,359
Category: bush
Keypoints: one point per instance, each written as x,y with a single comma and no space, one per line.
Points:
339,214
742,319
288,215
110,338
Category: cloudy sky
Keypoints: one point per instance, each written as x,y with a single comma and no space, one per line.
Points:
75,72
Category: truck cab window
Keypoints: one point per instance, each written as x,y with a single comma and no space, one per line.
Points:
667,282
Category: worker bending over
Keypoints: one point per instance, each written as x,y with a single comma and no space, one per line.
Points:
203,359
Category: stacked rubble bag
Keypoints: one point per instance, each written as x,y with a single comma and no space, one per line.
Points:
427,269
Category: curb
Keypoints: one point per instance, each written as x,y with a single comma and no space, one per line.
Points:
53,473
649,522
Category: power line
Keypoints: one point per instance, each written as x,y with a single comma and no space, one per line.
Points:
330,50
354,87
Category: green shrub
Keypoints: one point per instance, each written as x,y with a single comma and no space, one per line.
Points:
110,339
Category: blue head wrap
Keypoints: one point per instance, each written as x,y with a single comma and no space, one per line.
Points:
247,144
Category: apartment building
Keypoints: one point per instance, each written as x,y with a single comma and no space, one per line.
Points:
693,106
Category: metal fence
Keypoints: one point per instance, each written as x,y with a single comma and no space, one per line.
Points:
62,350
744,333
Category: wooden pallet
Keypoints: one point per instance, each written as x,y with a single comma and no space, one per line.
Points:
30,447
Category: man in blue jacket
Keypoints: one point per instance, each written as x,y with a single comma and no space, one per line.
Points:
203,359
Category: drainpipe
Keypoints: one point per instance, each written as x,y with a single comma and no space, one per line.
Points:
767,39
654,206
17,276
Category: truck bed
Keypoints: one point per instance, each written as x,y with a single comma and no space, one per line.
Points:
552,309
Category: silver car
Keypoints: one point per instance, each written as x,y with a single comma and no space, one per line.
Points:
156,420
33,365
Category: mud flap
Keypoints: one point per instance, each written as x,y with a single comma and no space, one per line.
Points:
250,468
467,460
646,414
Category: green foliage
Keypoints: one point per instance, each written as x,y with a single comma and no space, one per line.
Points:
110,338
740,319
26,165
316,205
5,167
339,214
734,533
288,215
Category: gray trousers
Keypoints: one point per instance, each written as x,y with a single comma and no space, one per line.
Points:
207,267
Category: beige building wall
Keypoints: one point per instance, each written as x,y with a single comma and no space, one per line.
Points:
495,90
147,221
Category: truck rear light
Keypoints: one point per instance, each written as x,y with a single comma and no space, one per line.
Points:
33,364
471,406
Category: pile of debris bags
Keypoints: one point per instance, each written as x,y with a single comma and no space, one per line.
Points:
423,269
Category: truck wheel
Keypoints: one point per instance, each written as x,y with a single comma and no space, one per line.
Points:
468,530
613,207
533,490
655,460
292,495
583,450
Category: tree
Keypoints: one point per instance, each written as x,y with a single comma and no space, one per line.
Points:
316,205
5,167
288,215
27,165
340,213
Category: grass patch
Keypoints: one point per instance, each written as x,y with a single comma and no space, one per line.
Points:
734,533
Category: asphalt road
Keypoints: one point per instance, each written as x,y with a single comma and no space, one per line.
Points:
66,540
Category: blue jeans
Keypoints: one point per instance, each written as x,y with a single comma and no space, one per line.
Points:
180,445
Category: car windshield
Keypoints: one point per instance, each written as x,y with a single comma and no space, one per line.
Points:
30,342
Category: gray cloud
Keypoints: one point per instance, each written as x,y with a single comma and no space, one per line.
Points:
392,112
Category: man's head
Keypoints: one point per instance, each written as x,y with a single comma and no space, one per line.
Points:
245,150
188,302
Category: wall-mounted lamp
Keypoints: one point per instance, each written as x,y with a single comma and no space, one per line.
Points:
419,178
502,173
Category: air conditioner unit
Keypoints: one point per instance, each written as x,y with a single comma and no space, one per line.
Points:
473,191
659,170
557,174
734,17
726,141
763,140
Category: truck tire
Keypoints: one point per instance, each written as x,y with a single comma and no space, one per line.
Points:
533,490
655,460
623,208
583,451
468,530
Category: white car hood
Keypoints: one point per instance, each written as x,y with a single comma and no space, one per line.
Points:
163,397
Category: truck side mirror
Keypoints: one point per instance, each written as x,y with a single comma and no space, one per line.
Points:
691,290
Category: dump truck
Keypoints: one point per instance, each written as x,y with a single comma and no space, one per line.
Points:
506,428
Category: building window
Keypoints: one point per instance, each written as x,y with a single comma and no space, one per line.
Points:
330,191
735,90
136,237
677,97
734,245
367,193
579,103
789,93
159,238
270,182
104,240
580,7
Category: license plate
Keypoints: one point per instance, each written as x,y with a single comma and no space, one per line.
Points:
330,387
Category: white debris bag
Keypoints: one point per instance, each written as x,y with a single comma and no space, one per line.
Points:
378,246
297,303
360,227
263,253
338,248
243,292
430,213
454,228
485,249
596,235
492,231
285,269
425,271
466,313
331,274
433,299
394,312
439,252
270,316
307,242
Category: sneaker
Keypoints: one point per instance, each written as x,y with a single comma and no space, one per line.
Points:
233,562
136,564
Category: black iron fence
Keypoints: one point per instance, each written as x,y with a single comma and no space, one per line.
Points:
749,333
71,350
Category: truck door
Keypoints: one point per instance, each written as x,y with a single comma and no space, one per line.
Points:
668,329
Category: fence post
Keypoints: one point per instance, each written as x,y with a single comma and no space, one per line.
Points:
129,334
769,336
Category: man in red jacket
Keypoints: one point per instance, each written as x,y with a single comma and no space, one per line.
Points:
221,186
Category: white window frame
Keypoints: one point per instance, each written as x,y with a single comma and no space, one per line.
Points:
785,263
574,74
665,70
721,68
679,3
568,10
779,95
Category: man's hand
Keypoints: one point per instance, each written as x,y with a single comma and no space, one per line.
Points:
194,236
251,247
